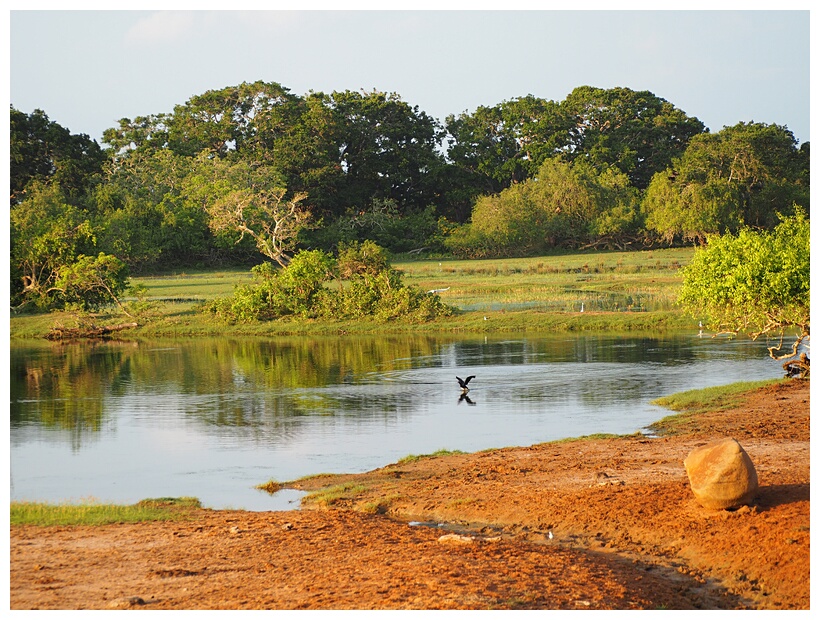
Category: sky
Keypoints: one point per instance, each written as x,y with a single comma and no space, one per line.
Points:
88,68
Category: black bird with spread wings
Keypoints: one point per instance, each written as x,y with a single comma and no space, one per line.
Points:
463,382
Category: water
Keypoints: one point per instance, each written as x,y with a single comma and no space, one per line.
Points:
212,418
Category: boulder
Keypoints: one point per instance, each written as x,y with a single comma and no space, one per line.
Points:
721,475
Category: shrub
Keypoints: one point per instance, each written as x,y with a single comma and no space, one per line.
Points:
369,288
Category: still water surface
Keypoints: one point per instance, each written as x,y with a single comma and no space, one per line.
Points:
212,418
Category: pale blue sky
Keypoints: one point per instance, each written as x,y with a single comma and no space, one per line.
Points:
87,69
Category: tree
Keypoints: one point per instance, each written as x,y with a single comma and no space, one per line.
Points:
250,200
508,142
144,215
47,233
143,134
564,204
743,175
636,131
385,150
754,282
42,150
249,118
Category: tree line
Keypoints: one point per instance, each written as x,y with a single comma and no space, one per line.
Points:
255,168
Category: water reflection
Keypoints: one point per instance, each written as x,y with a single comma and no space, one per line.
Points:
213,417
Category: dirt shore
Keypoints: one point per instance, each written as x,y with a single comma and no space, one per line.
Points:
592,524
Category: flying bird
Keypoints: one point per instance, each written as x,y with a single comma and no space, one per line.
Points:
463,382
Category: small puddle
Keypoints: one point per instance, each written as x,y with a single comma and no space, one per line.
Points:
425,524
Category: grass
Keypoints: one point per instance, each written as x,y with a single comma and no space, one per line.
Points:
712,398
693,402
619,291
271,486
637,281
92,513
334,494
412,458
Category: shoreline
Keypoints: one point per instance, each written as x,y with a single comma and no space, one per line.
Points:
638,541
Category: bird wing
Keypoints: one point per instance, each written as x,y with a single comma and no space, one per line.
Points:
467,380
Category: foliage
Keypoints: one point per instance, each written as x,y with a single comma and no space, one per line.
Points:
47,233
385,148
250,200
565,204
147,214
741,176
506,143
369,289
637,132
255,168
49,265
277,293
383,223
42,150
91,283
755,282
362,258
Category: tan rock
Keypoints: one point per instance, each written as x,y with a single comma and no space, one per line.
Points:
721,475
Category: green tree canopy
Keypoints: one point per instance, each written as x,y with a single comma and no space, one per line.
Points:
144,212
249,201
508,142
386,148
743,175
46,233
635,131
564,204
42,150
754,282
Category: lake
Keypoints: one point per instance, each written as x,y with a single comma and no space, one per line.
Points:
211,418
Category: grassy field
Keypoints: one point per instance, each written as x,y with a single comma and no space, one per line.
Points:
91,513
606,281
609,291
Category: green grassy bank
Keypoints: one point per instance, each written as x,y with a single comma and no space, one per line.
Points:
582,291
92,513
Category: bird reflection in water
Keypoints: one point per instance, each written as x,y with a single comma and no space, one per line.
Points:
466,399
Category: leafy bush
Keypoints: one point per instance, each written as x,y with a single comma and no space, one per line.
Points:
753,282
91,283
368,288
362,258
